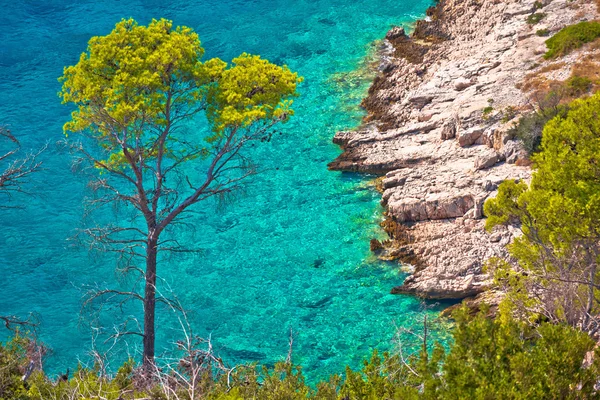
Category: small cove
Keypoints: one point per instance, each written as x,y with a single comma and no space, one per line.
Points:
290,251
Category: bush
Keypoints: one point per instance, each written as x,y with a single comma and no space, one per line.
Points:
542,32
508,113
13,361
491,359
572,37
529,128
579,85
535,18
487,112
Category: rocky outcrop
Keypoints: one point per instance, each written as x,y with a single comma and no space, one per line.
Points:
436,128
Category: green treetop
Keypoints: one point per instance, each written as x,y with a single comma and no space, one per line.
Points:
133,90
559,215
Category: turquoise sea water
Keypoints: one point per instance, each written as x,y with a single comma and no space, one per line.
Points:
291,250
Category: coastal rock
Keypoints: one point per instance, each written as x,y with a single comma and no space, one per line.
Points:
461,84
434,206
512,150
395,33
420,101
342,138
453,253
486,159
470,136
467,57
448,130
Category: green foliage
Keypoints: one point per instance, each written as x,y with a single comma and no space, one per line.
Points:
493,359
567,169
488,359
538,5
542,32
579,85
559,215
487,111
13,361
508,114
138,80
506,206
86,384
284,381
252,90
572,37
530,127
535,18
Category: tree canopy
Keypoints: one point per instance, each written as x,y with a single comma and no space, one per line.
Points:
558,214
137,81
135,90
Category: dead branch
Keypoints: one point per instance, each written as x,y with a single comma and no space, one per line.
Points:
15,171
12,322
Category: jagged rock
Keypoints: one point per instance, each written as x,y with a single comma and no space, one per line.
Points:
489,136
512,151
486,159
448,130
343,137
421,101
395,33
375,245
489,186
461,84
392,180
470,136
444,75
495,237
477,211
434,206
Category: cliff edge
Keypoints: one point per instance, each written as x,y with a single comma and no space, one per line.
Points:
439,113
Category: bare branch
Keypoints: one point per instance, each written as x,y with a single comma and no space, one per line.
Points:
16,171
11,322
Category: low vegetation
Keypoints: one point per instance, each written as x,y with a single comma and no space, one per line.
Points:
556,275
535,18
579,85
572,37
530,126
501,358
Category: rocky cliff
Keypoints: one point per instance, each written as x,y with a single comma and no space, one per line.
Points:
438,116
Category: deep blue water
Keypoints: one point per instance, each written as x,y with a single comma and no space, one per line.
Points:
290,251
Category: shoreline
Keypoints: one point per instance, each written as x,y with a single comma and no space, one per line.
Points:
439,152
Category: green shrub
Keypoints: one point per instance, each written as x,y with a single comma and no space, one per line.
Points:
572,37
538,5
529,128
557,215
13,361
490,359
535,18
508,113
579,85
486,112
542,32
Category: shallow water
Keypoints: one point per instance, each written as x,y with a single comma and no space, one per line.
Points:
290,251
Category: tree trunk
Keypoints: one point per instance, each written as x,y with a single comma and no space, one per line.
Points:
150,304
